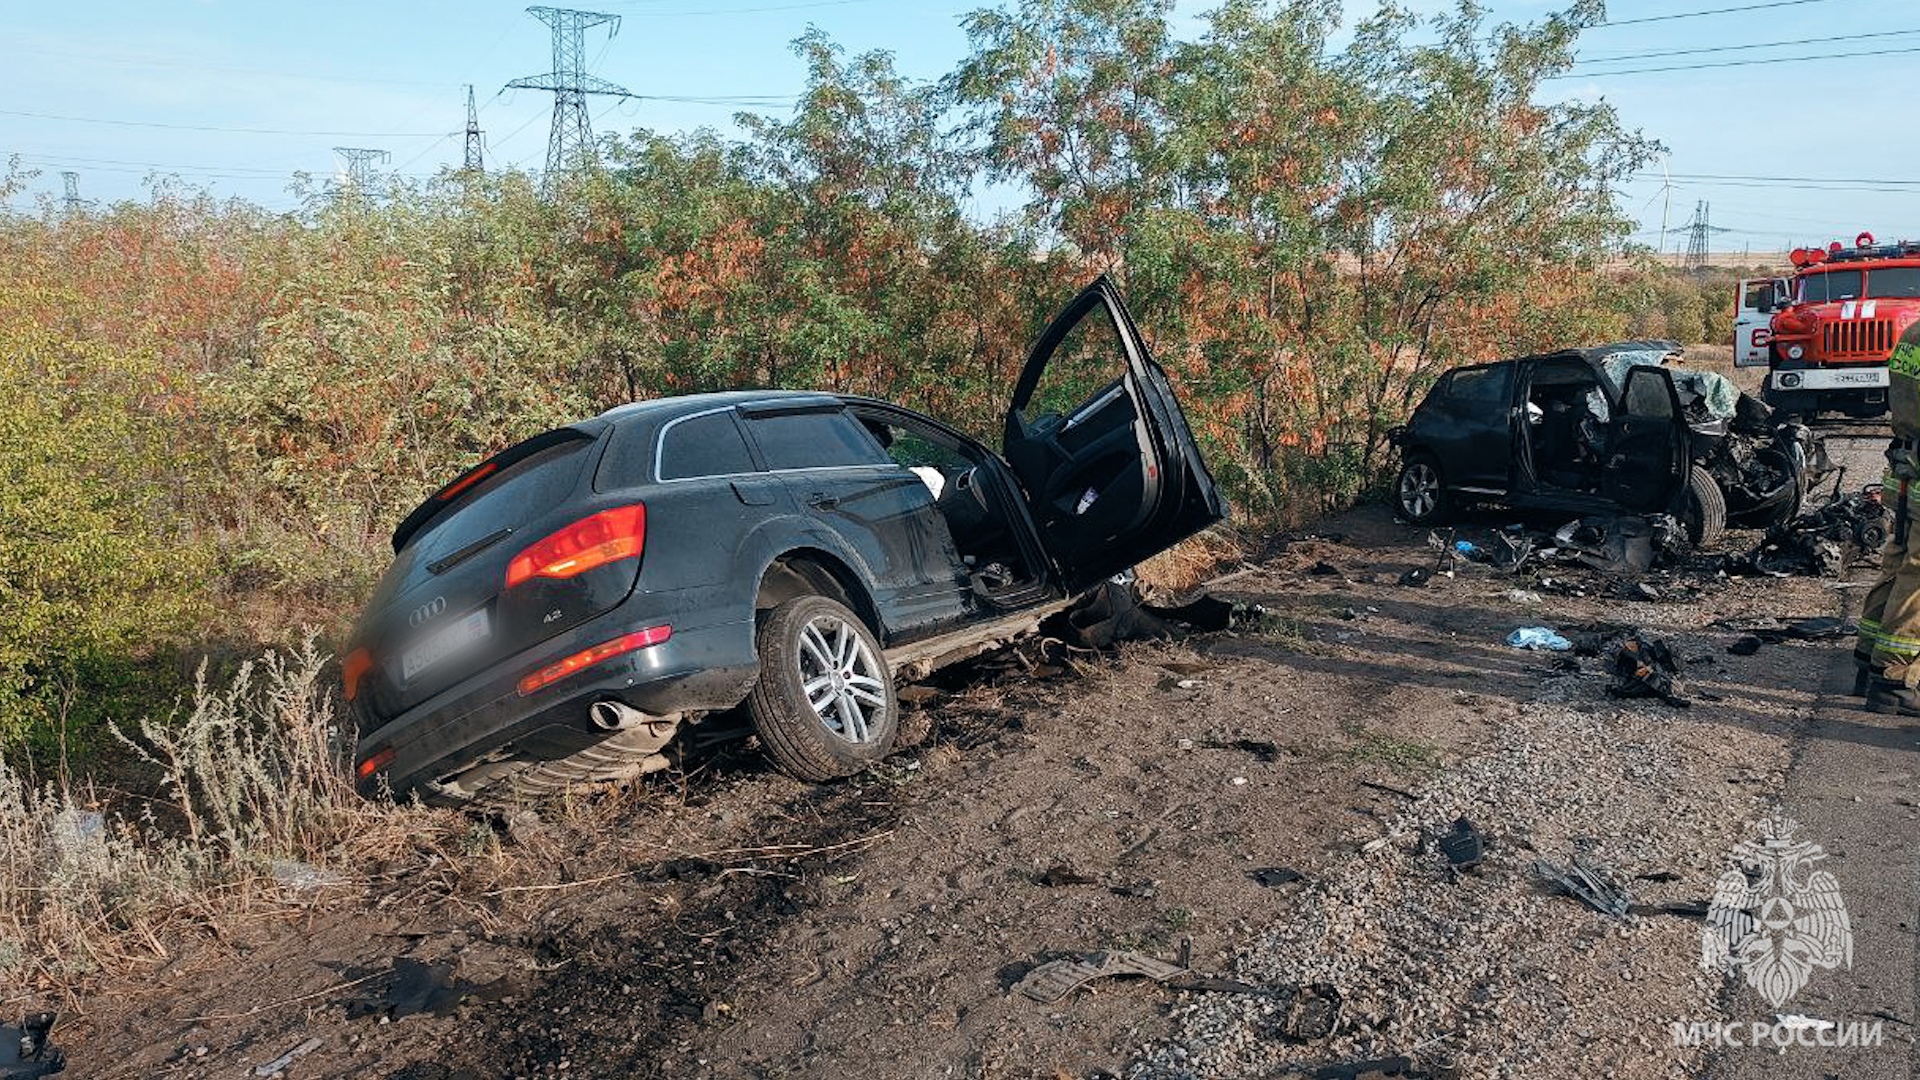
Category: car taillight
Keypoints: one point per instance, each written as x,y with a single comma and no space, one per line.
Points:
376,761
606,650
607,536
352,670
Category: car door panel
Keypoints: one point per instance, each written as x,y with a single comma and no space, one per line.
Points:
1115,476
888,516
1471,428
838,476
1647,449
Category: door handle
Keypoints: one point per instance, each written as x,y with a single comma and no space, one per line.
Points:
822,501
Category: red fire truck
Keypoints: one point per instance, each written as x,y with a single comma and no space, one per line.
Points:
1825,333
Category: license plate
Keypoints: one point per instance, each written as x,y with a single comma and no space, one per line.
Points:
453,638
1856,378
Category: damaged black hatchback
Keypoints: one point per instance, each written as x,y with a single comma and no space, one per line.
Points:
1608,429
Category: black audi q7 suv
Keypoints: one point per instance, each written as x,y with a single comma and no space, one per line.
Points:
561,611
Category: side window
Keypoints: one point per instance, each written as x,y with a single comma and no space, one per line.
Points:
814,440
1487,385
1647,395
1089,360
709,445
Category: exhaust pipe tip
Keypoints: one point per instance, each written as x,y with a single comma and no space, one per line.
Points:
615,715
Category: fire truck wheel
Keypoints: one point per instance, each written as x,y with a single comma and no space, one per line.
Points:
1706,515
1420,493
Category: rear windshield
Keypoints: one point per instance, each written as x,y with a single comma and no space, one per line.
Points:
517,494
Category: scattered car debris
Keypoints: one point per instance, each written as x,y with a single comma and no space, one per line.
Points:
1387,788
1686,909
1116,611
416,986
1465,846
1586,883
1263,750
1538,638
1312,1013
1060,875
1821,542
1644,667
1417,576
1364,1070
25,1053
1056,979
1272,877
280,1064
1770,630
1624,546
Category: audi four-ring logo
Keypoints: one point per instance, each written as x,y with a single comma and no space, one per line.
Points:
428,610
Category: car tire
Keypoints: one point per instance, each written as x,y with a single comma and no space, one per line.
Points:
1420,493
813,649
1706,513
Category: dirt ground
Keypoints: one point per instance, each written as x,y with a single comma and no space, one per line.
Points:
730,922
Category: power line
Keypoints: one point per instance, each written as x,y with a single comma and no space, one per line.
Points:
1739,48
748,10
1796,179
1710,11
1734,63
225,130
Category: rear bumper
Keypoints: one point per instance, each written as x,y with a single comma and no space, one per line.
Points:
701,668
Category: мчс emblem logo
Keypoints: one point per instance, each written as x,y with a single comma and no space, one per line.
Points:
1775,917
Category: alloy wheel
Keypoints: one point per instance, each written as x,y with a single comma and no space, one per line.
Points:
842,679
1419,490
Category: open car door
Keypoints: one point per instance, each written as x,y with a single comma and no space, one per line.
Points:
1753,320
1648,457
1098,441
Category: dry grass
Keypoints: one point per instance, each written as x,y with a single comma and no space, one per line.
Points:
256,803
1183,567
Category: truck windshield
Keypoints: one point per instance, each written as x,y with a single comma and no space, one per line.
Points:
1832,285
1894,281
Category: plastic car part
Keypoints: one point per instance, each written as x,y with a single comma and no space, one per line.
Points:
1056,979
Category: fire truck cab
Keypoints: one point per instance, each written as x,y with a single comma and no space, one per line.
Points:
1825,333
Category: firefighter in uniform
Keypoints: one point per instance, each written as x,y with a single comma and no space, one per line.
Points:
1889,645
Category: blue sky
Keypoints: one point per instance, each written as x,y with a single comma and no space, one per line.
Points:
309,76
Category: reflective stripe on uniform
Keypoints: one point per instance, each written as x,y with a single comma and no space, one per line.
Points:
1904,648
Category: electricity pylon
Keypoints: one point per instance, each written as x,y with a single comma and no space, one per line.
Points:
473,163
571,141
357,171
74,203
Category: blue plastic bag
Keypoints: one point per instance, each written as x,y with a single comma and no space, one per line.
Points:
1538,637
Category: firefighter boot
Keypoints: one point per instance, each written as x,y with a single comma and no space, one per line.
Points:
1892,697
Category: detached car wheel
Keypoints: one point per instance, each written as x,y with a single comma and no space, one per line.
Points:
1420,496
824,704
1706,516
